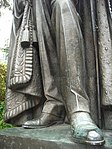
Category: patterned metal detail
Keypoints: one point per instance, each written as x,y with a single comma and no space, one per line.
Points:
19,109
23,58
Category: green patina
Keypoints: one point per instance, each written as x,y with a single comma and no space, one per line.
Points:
55,137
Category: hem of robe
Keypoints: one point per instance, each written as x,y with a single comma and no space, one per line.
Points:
10,114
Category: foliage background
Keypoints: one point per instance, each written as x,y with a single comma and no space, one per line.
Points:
3,70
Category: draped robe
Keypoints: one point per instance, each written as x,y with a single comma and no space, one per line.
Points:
65,59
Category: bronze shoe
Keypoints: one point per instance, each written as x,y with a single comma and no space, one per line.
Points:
45,120
52,113
84,130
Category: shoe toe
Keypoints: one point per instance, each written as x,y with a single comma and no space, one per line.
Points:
31,123
94,136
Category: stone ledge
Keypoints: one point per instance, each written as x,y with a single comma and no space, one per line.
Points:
55,137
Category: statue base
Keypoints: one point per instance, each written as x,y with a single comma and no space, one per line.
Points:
55,137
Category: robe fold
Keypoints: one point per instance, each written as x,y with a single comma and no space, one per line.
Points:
64,61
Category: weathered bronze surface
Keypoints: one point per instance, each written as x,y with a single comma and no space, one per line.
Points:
47,138
60,65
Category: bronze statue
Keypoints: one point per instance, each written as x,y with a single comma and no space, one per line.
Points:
55,67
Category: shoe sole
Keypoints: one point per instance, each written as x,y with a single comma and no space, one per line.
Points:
93,143
40,127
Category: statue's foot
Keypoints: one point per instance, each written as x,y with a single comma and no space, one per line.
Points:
84,130
45,120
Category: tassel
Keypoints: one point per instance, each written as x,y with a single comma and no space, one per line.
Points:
25,42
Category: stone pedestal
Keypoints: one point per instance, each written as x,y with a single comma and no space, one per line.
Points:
55,137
